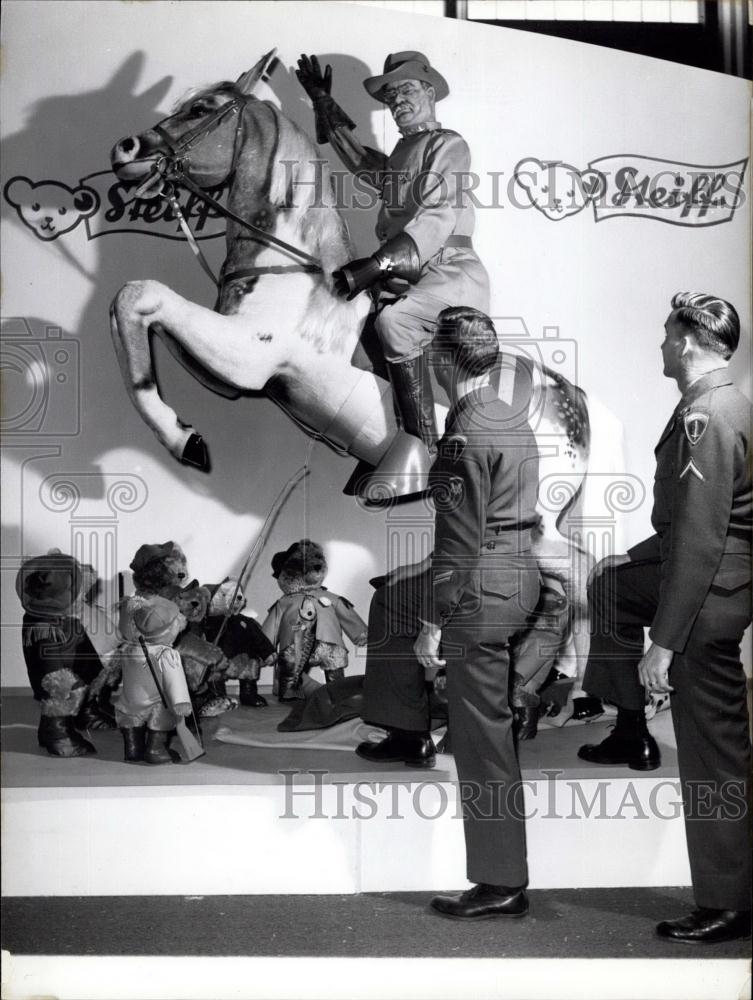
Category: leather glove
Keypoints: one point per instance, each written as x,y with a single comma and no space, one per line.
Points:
398,256
314,82
328,114
356,276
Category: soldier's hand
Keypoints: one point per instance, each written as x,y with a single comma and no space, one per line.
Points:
653,669
314,82
608,562
426,648
182,709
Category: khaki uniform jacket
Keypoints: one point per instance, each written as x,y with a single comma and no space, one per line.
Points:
485,486
703,505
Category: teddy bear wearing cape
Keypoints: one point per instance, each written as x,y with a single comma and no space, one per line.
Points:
306,624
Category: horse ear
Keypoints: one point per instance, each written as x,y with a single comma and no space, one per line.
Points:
247,81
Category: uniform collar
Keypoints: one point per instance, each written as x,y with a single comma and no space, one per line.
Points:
711,380
417,129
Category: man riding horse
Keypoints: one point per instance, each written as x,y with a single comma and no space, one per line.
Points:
426,260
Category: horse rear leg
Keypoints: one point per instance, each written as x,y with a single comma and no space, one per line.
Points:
220,344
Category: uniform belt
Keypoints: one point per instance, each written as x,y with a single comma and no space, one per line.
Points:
459,241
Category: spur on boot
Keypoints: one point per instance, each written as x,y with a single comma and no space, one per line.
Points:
59,737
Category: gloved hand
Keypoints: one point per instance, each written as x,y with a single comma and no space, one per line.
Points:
314,82
398,256
182,709
356,276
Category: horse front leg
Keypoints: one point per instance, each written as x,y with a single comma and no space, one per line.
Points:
223,345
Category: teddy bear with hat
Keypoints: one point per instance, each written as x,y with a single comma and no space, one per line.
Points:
65,640
153,694
306,624
240,638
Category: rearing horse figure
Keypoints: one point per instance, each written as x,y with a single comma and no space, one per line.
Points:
279,326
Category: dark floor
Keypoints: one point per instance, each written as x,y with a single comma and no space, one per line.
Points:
562,923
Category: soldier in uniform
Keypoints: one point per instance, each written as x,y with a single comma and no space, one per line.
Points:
426,260
479,590
691,583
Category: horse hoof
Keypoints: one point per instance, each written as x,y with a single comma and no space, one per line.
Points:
195,453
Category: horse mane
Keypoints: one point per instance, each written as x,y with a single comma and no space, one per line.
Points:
305,186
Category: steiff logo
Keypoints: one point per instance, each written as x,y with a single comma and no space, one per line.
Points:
105,206
644,187
683,194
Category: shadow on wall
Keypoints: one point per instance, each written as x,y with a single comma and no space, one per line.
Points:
68,138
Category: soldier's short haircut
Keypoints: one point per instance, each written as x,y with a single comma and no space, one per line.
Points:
471,336
713,321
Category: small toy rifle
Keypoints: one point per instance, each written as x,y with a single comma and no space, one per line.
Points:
190,747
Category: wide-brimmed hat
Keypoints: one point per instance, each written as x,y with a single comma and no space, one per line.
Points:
49,585
407,66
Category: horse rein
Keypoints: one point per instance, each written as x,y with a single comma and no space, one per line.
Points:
170,169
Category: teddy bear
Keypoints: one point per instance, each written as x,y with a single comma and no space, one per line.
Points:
65,640
306,624
239,637
154,693
204,662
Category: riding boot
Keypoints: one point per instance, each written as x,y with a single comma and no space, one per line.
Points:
134,744
156,751
414,399
249,694
57,734
285,689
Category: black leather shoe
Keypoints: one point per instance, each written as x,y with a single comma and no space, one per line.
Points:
482,902
640,753
411,749
706,926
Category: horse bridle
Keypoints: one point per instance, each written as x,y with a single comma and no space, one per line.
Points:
170,168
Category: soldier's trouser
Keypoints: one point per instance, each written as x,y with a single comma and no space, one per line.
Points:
709,711
406,322
475,644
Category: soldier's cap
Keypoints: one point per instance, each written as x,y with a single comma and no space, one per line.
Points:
406,66
49,585
146,554
154,617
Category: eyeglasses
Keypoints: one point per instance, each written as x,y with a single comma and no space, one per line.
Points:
408,89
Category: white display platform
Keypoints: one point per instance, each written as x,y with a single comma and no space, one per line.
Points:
319,822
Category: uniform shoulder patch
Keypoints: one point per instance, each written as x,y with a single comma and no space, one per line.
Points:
452,447
695,420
